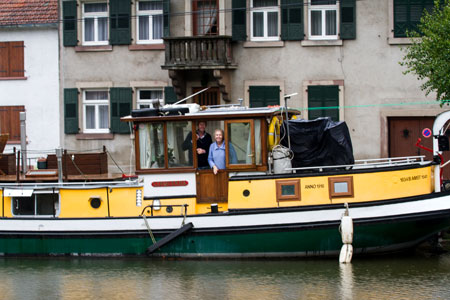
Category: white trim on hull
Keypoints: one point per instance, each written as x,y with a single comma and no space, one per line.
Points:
225,220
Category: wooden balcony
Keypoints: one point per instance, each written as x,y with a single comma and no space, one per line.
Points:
198,52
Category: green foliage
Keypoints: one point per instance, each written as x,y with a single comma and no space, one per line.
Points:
429,54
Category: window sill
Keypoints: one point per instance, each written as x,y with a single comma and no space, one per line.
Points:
94,136
321,43
13,142
93,48
274,44
400,41
13,78
146,47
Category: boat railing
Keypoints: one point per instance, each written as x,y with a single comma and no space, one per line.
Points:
370,163
78,184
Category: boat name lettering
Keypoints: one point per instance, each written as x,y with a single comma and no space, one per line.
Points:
315,186
169,183
411,178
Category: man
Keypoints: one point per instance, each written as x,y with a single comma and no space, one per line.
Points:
204,140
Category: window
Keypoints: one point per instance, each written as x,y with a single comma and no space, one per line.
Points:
244,140
340,186
323,19
288,190
264,20
407,14
149,22
205,17
95,24
96,112
147,98
323,101
11,59
10,121
152,149
38,204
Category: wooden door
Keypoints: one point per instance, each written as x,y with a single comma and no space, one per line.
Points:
212,188
403,135
209,97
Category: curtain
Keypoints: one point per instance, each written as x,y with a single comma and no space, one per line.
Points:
316,22
330,21
102,29
272,24
89,29
157,27
143,27
206,18
258,24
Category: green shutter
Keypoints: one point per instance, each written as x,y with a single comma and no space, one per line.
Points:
239,20
70,23
170,96
262,96
407,14
70,111
120,20
292,20
319,98
121,103
348,19
166,18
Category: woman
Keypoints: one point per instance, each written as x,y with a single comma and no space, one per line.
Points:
216,157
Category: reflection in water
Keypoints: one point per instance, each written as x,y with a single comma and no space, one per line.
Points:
414,277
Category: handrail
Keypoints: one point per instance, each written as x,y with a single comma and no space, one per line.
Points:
370,163
70,184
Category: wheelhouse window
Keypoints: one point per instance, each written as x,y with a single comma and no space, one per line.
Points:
149,22
149,98
38,204
96,112
244,140
205,17
95,24
264,20
154,153
323,19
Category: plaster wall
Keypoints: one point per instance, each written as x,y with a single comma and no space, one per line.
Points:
39,92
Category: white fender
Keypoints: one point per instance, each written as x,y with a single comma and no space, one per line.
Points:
346,253
347,230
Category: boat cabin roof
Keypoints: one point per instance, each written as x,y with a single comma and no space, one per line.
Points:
216,112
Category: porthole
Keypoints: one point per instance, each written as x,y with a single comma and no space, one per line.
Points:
169,209
246,193
95,202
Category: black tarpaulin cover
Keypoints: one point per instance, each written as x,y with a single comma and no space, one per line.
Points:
319,142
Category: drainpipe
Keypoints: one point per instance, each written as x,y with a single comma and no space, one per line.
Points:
59,153
23,141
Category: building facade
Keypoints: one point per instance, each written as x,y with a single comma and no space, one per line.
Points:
29,73
341,58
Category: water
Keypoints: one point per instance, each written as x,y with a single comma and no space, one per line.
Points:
402,277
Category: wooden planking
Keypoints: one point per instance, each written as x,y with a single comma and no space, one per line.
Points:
88,163
8,163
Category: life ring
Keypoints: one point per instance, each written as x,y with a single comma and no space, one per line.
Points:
294,117
274,133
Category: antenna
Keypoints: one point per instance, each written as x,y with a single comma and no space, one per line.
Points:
286,98
188,97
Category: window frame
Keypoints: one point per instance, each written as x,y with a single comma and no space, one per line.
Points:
96,104
196,15
56,209
149,102
13,122
347,179
95,16
265,10
297,193
323,8
149,14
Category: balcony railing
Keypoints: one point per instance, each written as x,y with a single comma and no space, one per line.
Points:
198,52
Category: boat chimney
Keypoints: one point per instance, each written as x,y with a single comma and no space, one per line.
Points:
59,152
241,101
23,140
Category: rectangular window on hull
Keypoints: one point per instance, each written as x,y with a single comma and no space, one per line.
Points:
340,187
288,190
38,204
